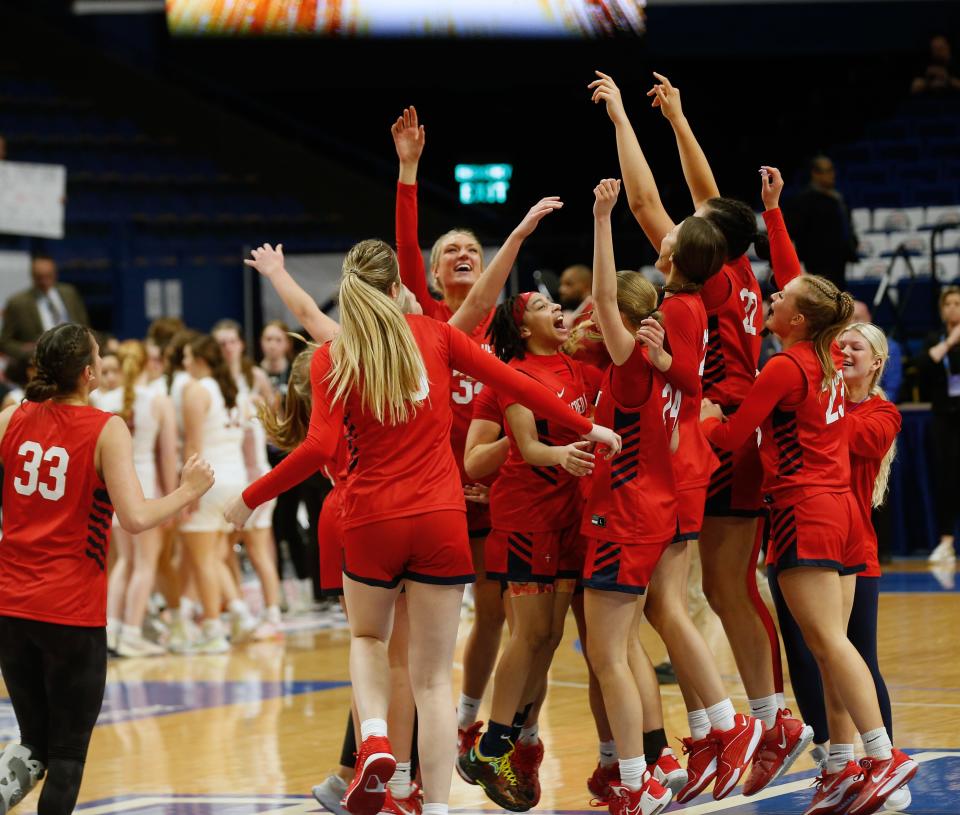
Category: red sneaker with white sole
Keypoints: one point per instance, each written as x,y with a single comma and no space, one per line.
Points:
667,771
602,779
376,764
701,767
836,791
779,748
735,749
410,805
881,778
650,799
465,740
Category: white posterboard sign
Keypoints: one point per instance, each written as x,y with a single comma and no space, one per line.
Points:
14,274
32,199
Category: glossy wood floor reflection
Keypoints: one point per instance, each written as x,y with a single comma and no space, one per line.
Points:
267,719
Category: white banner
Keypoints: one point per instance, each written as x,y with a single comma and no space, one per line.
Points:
32,198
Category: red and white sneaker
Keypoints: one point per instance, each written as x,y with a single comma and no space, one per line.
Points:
836,791
650,799
465,740
701,767
410,805
779,748
667,771
735,749
526,760
882,777
375,767
602,779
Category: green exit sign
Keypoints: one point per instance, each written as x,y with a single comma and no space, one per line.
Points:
483,183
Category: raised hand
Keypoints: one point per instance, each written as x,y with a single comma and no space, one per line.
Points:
409,136
537,213
771,185
266,259
652,335
576,459
605,90
605,436
605,197
666,97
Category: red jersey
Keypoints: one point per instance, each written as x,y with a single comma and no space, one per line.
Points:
783,256
542,499
405,469
633,497
685,322
57,516
734,308
486,407
872,426
592,351
413,273
803,439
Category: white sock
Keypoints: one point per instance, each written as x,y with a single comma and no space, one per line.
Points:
436,809
272,614
530,735
838,757
876,743
400,782
781,701
212,628
129,632
467,711
238,608
631,772
699,724
372,727
765,709
186,608
608,753
721,715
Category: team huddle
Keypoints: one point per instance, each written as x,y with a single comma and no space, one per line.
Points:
559,468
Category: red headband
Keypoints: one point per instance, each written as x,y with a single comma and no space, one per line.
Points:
520,307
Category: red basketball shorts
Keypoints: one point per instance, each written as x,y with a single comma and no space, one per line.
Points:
330,538
822,531
690,508
535,557
625,567
735,489
478,519
428,548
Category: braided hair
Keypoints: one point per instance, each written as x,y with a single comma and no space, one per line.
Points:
61,356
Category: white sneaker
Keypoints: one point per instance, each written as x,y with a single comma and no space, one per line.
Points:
181,637
945,573
243,627
135,645
212,639
266,630
19,773
943,551
898,800
330,793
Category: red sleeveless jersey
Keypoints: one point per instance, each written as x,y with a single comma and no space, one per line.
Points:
632,496
685,322
542,499
56,516
734,307
872,427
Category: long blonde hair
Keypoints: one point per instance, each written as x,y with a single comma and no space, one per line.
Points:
133,360
288,428
375,351
877,341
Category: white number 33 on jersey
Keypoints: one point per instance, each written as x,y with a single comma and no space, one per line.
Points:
54,482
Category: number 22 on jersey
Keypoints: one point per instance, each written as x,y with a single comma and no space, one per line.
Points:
54,483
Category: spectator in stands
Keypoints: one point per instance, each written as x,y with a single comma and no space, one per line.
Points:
892,379
819,221
44,305
575,287
939,74
939,368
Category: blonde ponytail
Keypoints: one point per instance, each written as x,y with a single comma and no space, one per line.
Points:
827,311
133,360
375,351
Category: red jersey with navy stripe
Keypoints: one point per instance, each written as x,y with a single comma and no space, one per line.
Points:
633,496
685,323
872,427
543,499
734,307
57,516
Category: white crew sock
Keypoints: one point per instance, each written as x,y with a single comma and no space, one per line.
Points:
631,772
400,782
781,701
608,753
186,609
129,632
530,735
467,711
721,715
212,629
238,608
765,709
372,727
699,724
838,757
435,809
877,744
272,614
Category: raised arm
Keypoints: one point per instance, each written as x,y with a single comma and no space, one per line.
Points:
696,168
135,512
574,458
783,256
269,263
618,340
642,193
482,297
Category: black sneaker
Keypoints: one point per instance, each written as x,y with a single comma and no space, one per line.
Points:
496,777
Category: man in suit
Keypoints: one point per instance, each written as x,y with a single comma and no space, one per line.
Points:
45,305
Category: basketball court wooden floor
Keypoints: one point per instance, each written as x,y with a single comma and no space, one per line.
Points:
252,731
